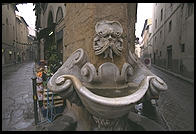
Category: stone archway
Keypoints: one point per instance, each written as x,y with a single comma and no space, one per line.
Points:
50,19
59,33
49,43
59,14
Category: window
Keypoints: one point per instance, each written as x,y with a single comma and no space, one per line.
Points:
13,32
171,6
156,23
189,9
169,57
160,54
59,15
155,39
182,48
161,14
7,28
8,6
6,21
160,34
170,26
44,6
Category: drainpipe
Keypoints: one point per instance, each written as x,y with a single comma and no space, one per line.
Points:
180,36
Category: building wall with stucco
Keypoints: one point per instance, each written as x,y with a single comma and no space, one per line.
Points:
8,33
173,37
14,35
22,33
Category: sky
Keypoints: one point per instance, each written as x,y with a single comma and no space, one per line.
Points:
144,11
26,11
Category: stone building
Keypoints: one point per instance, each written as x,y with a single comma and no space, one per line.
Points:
8,33
21,43
14,35
50,25
173,37
146,46
31,50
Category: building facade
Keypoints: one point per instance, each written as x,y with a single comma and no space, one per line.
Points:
173,37
21,43
146,46
8,33
14,36
50,25
32,49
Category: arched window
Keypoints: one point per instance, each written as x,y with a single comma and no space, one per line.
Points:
7,28
59,14
190,9
50,19
13,33
6,21
44,6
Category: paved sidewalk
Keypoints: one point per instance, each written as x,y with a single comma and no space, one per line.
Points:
177,103
174,74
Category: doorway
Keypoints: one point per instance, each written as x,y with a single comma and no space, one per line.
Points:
169,57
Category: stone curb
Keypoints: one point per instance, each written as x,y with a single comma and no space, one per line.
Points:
174,74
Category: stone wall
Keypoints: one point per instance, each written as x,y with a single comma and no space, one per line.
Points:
80,23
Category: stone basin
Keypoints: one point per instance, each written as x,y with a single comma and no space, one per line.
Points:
107,92
105,106
113,91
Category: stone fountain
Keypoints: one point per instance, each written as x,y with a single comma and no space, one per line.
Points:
107,92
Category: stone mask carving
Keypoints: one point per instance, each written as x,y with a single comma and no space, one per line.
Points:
108,38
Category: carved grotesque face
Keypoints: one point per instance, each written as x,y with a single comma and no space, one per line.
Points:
108,38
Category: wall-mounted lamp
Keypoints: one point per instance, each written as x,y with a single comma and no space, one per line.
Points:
50,33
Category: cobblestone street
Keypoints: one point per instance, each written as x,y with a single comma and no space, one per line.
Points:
177,103
17,102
